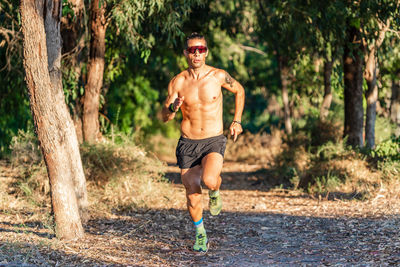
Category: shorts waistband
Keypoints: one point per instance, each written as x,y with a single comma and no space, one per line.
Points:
205,140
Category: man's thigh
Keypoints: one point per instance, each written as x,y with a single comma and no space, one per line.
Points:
212,165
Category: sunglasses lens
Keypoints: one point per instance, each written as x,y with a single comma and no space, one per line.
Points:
192,49
202,50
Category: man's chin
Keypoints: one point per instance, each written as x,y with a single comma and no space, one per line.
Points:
197,65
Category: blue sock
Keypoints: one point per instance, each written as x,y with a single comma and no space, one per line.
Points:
199,226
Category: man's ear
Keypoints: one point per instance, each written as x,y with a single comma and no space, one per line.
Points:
185,52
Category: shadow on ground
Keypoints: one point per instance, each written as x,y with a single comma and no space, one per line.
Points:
261,179
164,237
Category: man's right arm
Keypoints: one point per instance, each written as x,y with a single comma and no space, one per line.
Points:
167,113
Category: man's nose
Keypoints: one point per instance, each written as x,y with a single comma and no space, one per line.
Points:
197,52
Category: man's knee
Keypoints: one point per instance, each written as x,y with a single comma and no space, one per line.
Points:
211,182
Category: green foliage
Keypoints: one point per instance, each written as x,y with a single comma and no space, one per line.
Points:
131,106
14,103
325,184
387,151
141,21
144,43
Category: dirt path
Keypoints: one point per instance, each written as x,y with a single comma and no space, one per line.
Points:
259,226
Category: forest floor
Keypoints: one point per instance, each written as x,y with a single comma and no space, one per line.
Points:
260,225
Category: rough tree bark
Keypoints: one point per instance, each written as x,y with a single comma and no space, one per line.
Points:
98,26
395,103
353,93
73,35
370,77
326,103
53,41
52,121
284,75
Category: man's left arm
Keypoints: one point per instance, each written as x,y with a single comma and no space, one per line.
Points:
235,87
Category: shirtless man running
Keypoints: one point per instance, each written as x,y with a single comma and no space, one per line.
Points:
200,150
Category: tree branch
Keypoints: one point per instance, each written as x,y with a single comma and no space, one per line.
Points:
383,28
395,32
253,49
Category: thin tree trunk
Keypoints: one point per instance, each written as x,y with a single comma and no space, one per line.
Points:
91,127
395,103
370,74
326,103
284,73
372,97
53,124
353,93
74,34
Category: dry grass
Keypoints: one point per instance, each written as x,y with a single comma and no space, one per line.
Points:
119,177
140,219
260,148
125,177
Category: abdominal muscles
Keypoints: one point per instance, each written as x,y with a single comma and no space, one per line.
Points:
202,121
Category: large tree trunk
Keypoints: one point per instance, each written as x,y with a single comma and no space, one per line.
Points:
284,73
353,93
52,121
395,103
91,127
326,103
372,97
53,41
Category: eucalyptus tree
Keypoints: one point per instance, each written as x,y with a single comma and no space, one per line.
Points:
375,21
40,22
353,78
74,33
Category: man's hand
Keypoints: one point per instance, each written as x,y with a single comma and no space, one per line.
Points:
178,103
236,129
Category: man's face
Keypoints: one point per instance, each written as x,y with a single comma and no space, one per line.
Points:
196,59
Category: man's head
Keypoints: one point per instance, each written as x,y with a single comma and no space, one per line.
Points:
196,50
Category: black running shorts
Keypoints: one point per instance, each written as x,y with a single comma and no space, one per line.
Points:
190,152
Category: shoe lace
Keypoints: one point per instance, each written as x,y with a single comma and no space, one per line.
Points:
213,201
200,239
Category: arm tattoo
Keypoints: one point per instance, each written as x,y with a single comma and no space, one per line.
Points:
228,79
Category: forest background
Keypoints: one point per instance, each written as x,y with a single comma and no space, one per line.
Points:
322,77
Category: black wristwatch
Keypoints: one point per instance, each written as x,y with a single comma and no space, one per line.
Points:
171,108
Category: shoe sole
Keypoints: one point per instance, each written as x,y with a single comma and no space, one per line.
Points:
201,251
215,214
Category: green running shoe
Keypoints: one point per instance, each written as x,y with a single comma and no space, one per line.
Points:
201,244
215,202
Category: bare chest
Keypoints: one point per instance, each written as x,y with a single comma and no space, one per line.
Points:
205,91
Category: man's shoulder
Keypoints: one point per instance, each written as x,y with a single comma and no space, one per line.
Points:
179,78
219,74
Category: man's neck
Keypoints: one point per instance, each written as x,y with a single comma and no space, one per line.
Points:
198,73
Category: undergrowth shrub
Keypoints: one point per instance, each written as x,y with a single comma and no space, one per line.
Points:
316,160
258,148
386,157
120,175
124,176
26,159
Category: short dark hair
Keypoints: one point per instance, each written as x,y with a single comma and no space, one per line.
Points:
194,35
